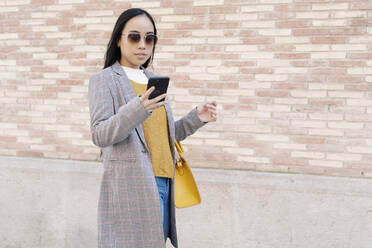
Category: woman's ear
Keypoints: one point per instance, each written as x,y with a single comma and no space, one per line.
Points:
118,43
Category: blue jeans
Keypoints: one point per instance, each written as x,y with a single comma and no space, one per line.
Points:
163,188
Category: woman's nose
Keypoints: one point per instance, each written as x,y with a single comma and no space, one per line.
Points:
142,43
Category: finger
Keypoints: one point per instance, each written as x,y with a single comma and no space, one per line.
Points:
213,103
159,104
158,98
156,105
148,92
211,107
211,110
204,106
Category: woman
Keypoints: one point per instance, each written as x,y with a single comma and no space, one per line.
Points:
136,135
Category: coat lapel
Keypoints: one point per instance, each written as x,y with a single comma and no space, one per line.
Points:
127,93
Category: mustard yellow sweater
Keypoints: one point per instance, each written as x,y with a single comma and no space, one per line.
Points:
156,133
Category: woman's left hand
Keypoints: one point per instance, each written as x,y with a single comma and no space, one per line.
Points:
207,112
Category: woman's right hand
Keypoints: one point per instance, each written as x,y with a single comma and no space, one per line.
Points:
152,104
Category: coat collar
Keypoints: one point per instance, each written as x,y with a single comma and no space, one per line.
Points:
118,69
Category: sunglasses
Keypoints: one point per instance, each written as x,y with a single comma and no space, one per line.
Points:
150,39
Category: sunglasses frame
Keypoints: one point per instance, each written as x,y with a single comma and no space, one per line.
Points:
139,36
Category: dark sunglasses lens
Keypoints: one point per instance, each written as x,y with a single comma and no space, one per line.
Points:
134,37
151,39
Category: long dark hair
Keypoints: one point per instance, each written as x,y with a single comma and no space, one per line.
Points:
113,53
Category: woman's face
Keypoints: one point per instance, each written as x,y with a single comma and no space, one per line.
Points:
136,53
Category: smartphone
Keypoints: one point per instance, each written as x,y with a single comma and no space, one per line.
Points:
160,84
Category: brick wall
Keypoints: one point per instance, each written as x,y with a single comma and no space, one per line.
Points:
293,79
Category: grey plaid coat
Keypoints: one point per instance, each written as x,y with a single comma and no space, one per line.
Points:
129,208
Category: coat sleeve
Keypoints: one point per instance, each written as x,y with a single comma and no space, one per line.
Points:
108,128
188,125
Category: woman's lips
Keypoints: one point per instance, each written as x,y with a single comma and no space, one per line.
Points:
141,55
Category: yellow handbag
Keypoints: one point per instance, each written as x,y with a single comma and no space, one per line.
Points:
185,189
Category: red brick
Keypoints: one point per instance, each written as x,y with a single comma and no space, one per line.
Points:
173,63
58,21
190,11
289,86
329,71
308,140
205,92
328,40
252,34
344,79
292,55
337,148
309,32
358,87
300,5
236,77
224,10
193,84
256,70
179,4
257,40
277,47
310,109
272,93
346,31
361,5
365,55
43,2
274,123
221,85
44,68
246,107
251,143
326,102
285,160
278,15
292,131
56,89
347,64
71,55
362,23
307,170
240,63
208,48
343,172
70,82
21,153
219,157
6,139
346,109
293,24
254,100
309,63
223,25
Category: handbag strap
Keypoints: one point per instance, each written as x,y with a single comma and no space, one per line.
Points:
178,147
179,155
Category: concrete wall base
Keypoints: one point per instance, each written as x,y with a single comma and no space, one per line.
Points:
53,203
